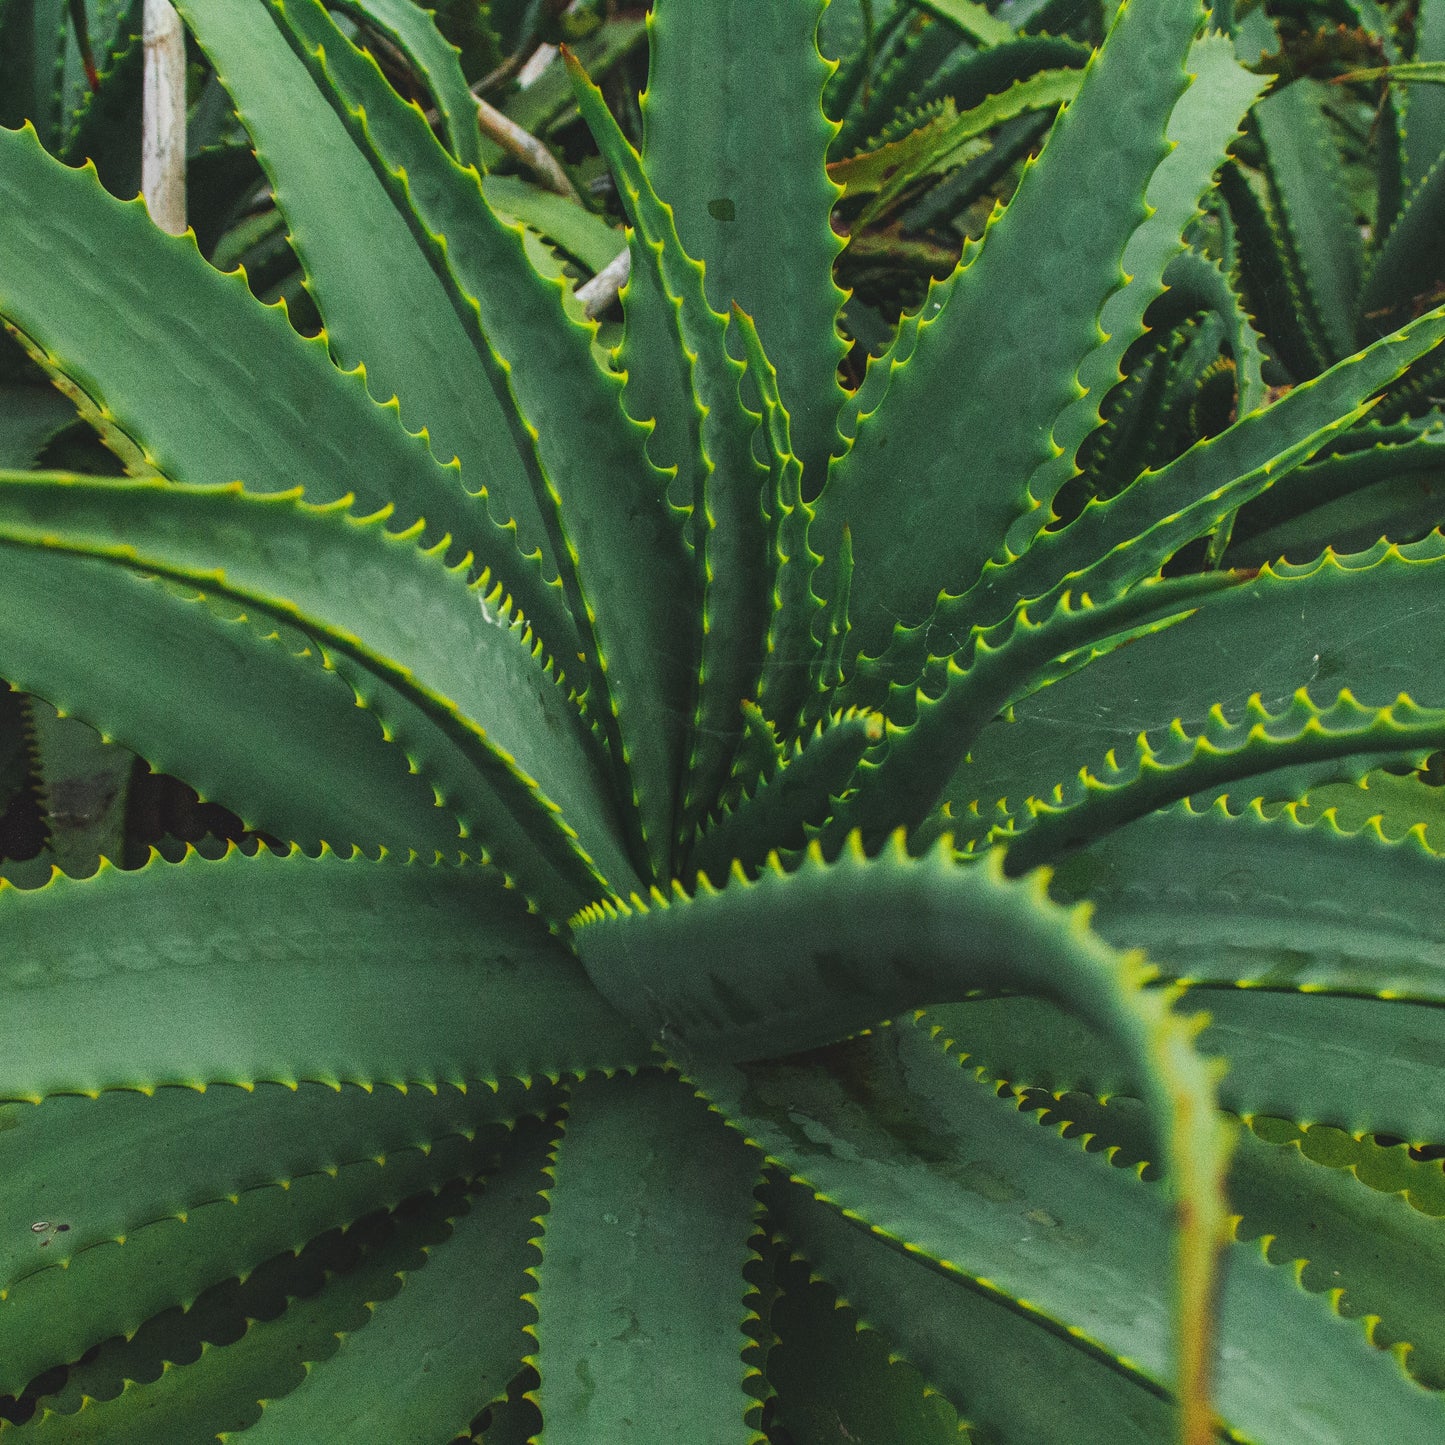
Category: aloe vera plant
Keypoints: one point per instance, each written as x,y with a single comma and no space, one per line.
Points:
641,740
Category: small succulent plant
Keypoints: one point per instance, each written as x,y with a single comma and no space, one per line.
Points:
720,813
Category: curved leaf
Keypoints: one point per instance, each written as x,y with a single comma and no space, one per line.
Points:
366,591
739,74
639,1292
787,962
345,971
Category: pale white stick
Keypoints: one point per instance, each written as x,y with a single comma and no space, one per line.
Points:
526,147
163,117
601,291
537,62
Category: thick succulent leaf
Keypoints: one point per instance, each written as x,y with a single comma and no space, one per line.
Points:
1334,499
1196,284
792,648
968,76
899,784
1251,648
1425,117
785,963
1266,271
1014,436
117,1283
1360,1064
1240,898
1357,1231
799,793
152,374
29,417
580,233
1324,240
1298,737
904,1143
957,1336
1399,804
157,1374
431,1357
1407,266
942,144
831,1373
754,76
1126,538
622,558
344,971
971,18
32,56
729,534
414,32
471,665
640,1290
85,636
414,346
174,1149
82,785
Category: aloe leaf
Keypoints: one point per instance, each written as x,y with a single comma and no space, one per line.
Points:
1288,628
1253,901
82,785
32,56
414,32
319,767
414,346
360,1015
1267,272
800,792
1196,284
944,143
341,578
580,233
956,1336
971,18
1323,237
830,1372
231,1140
1406,266
1425,116
1126,538
105,127
29,417
1280,522
1217,755
777,965
970,76
1035,1200
741,76
1350,1216
151,383
911,56
792,650
1013,468
640,1288
901,782
1361,1237
1402,505
115,1284
116,1398
729,534
446,1344
623,566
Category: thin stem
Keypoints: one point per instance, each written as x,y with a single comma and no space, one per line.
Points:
163,122
602,290
527,149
